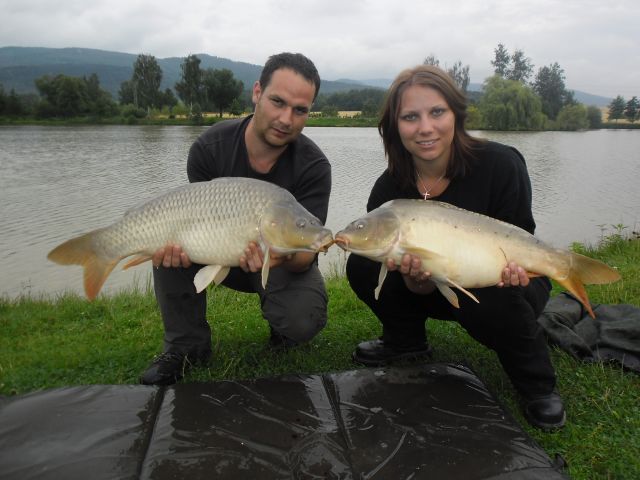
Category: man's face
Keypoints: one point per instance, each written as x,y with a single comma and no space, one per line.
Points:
283,107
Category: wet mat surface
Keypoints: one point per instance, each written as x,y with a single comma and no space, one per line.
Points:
430,421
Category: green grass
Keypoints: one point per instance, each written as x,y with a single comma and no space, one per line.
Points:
47,343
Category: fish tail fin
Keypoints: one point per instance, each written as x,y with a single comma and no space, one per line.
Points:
589,271
80,251
592,271
574,285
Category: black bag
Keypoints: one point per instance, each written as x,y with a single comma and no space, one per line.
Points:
614,335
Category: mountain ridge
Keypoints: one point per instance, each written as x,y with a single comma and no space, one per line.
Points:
20,66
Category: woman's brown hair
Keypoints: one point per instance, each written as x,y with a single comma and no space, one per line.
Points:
400,162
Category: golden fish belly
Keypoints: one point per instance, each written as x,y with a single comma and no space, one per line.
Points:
472,250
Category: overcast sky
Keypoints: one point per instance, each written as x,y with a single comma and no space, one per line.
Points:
597,43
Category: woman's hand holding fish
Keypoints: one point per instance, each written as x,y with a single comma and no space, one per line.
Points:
171,256
416,279
513,276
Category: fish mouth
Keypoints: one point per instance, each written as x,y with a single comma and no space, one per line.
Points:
342,242
325,246
325,243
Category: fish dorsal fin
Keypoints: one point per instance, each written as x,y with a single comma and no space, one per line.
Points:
208,274
381,277
265,268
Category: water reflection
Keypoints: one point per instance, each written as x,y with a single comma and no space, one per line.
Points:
58,182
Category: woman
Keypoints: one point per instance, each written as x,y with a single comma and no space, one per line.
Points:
431,156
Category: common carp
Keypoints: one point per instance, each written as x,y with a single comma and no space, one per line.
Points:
212,221
464,249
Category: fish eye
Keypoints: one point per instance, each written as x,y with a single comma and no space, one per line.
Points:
360,225
301,223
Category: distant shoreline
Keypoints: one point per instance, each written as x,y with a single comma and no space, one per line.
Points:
206,121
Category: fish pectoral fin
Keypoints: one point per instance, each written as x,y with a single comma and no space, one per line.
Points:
208,274
136,261
381,277
450,295
469,294
533,274
265,268
447,293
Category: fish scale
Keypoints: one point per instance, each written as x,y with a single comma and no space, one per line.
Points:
185,217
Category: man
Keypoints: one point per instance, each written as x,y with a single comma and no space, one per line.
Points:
267,145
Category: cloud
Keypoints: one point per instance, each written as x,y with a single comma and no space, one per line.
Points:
596,43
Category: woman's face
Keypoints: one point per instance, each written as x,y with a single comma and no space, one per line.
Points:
426,124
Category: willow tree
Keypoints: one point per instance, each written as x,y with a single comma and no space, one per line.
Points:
510,105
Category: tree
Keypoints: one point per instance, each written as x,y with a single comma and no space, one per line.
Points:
501,61
616,108
369,99
168,99
330,111
125,94
549,85
236,107
594,115
431,60
521,68
145,82
14,107
459,73
3,100
631,109
370,108
221,88
572,117
99,101
190,87
66,96
510,105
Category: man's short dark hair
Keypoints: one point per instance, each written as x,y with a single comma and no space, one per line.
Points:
293,61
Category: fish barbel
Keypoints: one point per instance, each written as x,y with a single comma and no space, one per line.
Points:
464,249
212,221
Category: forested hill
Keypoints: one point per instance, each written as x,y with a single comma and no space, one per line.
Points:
20,66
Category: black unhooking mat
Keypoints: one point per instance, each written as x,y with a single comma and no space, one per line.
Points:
435,421
613,336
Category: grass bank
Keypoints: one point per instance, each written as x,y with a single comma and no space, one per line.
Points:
47,343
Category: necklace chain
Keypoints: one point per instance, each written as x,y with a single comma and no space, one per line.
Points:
427,191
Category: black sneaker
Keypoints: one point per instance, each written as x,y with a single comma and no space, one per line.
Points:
377,353
168,368
545,412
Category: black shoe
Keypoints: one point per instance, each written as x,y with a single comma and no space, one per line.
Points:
545,412
278,341
376,353
169,368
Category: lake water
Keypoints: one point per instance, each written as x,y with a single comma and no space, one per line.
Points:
58,182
